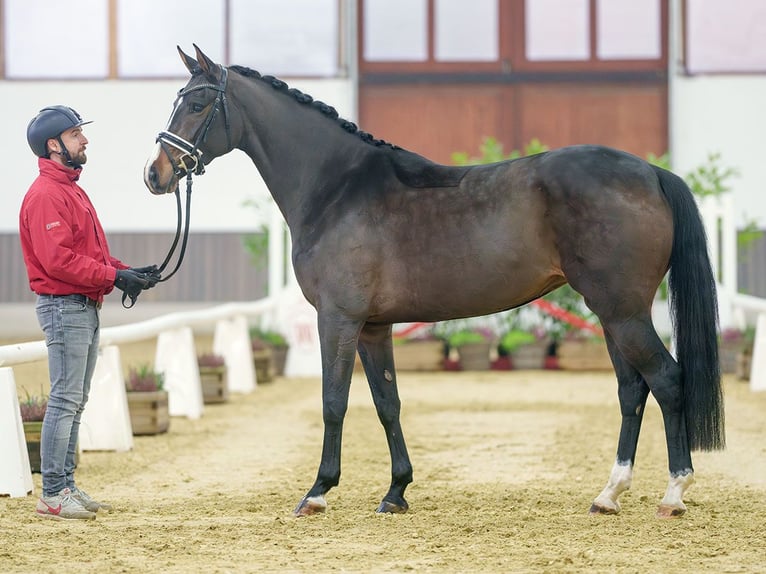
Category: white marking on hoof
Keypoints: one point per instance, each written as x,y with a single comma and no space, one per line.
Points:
311,505
620,480
672,503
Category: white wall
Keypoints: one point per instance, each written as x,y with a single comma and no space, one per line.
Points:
720,113
127,117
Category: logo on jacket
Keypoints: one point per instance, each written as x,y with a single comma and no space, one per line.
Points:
51,225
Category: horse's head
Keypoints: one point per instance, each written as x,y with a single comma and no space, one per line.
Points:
199,128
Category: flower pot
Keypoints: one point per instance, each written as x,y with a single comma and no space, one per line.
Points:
531,356
215,387
475,356
420,355
148,412
727,355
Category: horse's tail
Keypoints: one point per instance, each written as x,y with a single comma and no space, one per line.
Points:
694,311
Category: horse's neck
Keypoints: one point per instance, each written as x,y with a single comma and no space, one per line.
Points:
298,151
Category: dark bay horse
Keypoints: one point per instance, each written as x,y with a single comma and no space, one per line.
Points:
382,235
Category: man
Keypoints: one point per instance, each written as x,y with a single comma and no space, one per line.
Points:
70,268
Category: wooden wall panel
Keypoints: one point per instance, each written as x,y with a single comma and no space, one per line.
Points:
625,116
435,120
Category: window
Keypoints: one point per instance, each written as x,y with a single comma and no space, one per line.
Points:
504,36
726,37
49,39
138,38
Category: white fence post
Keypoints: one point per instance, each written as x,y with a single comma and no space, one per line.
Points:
231,340
15,472
176,358
105,423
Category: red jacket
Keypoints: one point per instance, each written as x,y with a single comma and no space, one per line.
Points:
64,245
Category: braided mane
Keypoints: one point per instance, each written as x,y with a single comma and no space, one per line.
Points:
306,99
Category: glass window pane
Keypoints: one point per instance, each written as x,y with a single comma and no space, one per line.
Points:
297,37
557,29
35,32
725,36
628,29
396,30
466,31
139,20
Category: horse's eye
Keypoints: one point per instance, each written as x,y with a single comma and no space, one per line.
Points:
196,107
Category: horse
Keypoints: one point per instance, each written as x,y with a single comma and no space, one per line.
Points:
382,235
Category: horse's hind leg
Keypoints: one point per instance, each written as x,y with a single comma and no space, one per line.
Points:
376,352
638,343
632,391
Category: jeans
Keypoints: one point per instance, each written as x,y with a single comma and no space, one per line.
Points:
72,336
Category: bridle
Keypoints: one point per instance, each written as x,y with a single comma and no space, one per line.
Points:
191,161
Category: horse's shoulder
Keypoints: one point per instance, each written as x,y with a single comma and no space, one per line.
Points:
414,170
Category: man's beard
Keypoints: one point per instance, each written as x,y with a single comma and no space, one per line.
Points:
80,158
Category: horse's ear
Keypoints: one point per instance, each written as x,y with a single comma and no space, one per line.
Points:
190,63
208,66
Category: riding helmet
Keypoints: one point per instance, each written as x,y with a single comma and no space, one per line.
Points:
50,123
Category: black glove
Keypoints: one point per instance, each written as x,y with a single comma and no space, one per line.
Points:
150,273
131,283
148,270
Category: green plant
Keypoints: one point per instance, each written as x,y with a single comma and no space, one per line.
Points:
469,335
512,340
491,151
33,407
268,336
144,379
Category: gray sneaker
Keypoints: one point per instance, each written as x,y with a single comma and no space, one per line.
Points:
63,506
88,503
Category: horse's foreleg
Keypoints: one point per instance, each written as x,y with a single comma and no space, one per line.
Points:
376,352
338,338
632,392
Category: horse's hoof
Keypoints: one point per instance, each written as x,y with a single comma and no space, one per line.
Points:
598,509
309,506
387,507
665,511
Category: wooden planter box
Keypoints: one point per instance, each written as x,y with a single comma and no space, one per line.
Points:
263,363
744,364
148,412
585,355
215,386
32,433
278,359
419,356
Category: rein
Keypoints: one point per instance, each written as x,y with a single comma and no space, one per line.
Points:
168,139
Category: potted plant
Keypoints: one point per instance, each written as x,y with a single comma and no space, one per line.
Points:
420,350
147,400
472,343
275,341
212,375
524,342
32,413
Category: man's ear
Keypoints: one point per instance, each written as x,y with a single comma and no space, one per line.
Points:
52,145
